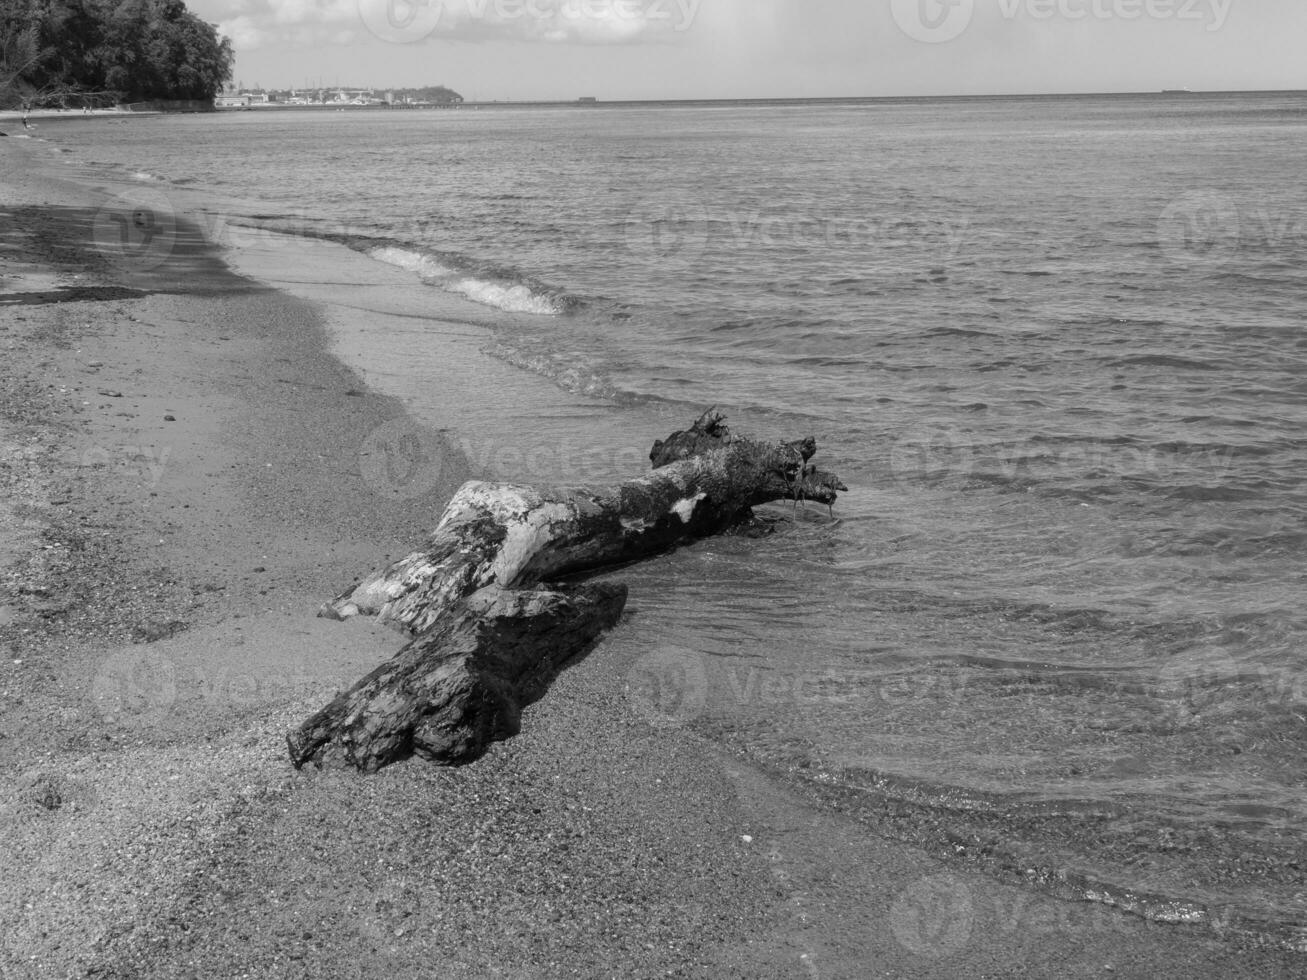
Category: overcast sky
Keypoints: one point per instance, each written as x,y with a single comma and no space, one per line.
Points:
648,49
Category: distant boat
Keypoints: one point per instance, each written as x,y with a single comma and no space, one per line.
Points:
1176,91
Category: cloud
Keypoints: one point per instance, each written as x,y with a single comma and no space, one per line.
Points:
244,32
260,23
299,12
254,24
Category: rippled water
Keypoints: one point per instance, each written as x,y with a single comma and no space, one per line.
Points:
1056,348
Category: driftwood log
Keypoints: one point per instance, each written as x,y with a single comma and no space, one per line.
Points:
487,642
463,683
515,536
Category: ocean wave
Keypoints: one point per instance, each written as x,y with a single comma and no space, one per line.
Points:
514,298
507,295
567,370
1199,493
413,261
1164,361
1143,851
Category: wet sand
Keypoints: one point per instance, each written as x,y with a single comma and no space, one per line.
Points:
185,479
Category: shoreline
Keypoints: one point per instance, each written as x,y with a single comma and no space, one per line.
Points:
13,118
158,829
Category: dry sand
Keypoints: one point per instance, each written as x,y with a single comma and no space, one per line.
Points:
181,489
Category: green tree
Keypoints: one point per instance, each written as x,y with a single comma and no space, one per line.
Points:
21,49
75,51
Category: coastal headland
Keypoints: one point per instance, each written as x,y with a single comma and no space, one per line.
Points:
183,484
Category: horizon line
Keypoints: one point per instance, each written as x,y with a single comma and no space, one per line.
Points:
599,100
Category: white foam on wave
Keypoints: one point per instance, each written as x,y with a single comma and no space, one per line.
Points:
421,263
510,297
569,370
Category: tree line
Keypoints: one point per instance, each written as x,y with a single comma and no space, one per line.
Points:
101,52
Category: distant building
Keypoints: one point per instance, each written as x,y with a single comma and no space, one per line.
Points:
231,101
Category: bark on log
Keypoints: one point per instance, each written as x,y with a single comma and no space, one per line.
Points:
461,685
516,536
710,432
487,642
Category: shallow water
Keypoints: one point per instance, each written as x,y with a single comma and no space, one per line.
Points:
1054,347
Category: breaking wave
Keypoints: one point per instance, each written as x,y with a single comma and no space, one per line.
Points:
511,296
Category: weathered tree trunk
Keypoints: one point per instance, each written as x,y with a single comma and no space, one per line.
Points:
710,432
488,643
514,536
461,685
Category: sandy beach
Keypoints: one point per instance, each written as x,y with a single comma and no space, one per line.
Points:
183,485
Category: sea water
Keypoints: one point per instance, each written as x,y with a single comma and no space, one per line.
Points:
1054,346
